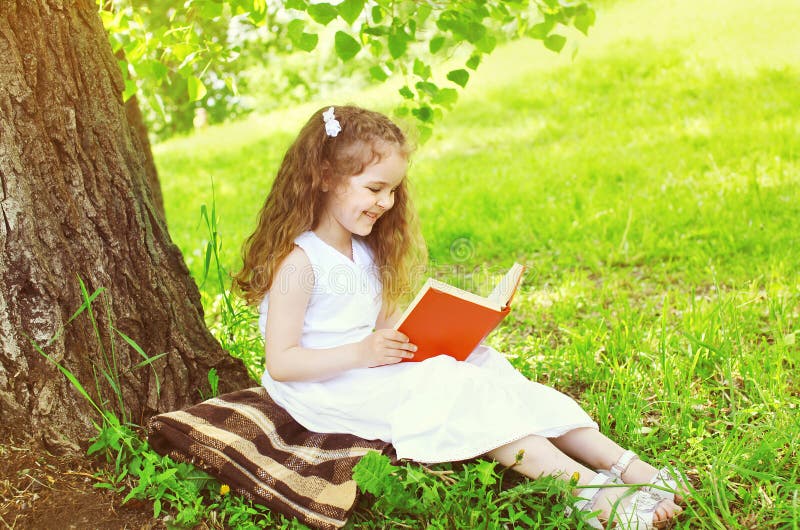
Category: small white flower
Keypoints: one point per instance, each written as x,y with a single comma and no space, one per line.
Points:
332,127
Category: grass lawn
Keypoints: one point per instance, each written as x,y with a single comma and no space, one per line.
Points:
652,186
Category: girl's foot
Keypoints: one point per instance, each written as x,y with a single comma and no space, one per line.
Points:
634,508
669,484
621,507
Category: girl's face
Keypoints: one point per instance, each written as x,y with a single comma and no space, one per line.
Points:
357,203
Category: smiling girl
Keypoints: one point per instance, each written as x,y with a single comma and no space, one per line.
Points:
332,255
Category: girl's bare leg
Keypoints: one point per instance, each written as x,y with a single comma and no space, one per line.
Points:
542,457
599,452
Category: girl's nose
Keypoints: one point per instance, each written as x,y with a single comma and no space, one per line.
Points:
385,202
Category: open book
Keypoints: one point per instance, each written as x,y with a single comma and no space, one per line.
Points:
443,319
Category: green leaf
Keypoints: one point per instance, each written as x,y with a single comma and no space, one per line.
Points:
398,43
555,42
376,48
149,361
377,14
373,472
295,28
475,31
296,4
69,375
350,9
322,13
427,87
486,473
423,113
378,74
541,30
307,42
130,90
424,10
414,476
459,77
584,20
302,40
421,69
446,97
486,44
376,30
346,46
108,18
232,86
436,44
159,69
195,87
181,50
406,92
473,62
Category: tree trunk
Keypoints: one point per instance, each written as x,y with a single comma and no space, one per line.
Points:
75,203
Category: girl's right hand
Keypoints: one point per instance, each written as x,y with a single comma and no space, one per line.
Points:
384,346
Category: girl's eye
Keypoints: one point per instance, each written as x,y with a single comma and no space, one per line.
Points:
374,190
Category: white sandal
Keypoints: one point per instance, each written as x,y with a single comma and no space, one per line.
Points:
632,511
666,479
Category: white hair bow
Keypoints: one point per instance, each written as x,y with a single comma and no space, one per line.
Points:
332,127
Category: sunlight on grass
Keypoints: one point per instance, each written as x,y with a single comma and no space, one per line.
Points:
652,186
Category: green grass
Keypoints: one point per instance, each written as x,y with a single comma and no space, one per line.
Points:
652,185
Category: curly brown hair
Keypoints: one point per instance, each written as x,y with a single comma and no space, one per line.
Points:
295,203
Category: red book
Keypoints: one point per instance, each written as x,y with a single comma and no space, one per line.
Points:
443,319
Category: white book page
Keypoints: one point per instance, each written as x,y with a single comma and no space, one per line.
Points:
504,290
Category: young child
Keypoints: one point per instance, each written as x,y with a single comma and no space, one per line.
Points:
333,253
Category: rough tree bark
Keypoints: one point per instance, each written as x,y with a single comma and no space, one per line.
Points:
75,202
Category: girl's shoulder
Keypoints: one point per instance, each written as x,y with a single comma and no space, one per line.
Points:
309,244
296,261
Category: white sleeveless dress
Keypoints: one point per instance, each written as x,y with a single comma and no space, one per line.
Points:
437,410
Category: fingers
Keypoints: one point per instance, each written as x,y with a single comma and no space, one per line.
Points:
389,346
397,341
392,334
401,351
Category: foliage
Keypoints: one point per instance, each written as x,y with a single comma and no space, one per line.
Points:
181,493
229,319
469,495
190,495
175,57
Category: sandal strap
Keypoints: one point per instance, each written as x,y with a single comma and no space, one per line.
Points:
588,496
623,463
665,478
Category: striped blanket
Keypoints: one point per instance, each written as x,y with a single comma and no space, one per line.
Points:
255,447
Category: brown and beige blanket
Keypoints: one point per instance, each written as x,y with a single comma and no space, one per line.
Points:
254,446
